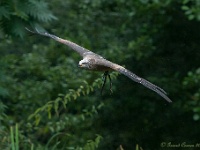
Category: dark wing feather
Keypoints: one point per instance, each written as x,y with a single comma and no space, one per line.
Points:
72,45
133,77
144,82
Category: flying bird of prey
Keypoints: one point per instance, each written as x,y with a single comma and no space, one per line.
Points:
95,62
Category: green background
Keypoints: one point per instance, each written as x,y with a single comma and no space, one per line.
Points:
50,103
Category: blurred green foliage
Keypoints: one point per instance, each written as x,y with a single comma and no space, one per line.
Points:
14,15
192,9
53,104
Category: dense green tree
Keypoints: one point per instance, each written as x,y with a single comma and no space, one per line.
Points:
58,106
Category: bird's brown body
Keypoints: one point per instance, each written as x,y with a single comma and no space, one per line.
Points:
95,62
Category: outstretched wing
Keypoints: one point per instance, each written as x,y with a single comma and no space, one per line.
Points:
82,51
133,77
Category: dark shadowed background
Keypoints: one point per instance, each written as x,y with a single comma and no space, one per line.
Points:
48,103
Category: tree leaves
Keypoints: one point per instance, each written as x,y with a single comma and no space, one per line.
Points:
192,9
16,15
58,106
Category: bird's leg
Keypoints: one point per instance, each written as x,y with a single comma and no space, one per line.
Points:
104,78
110,83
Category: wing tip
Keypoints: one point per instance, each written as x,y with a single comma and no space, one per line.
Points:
169,100
29,30
165,97
36,31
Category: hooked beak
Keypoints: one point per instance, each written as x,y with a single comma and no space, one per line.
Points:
79,65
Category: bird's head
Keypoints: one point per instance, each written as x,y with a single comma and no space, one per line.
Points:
84,64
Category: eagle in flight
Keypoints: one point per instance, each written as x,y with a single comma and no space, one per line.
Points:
95,62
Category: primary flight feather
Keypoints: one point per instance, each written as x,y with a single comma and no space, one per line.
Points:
96,62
